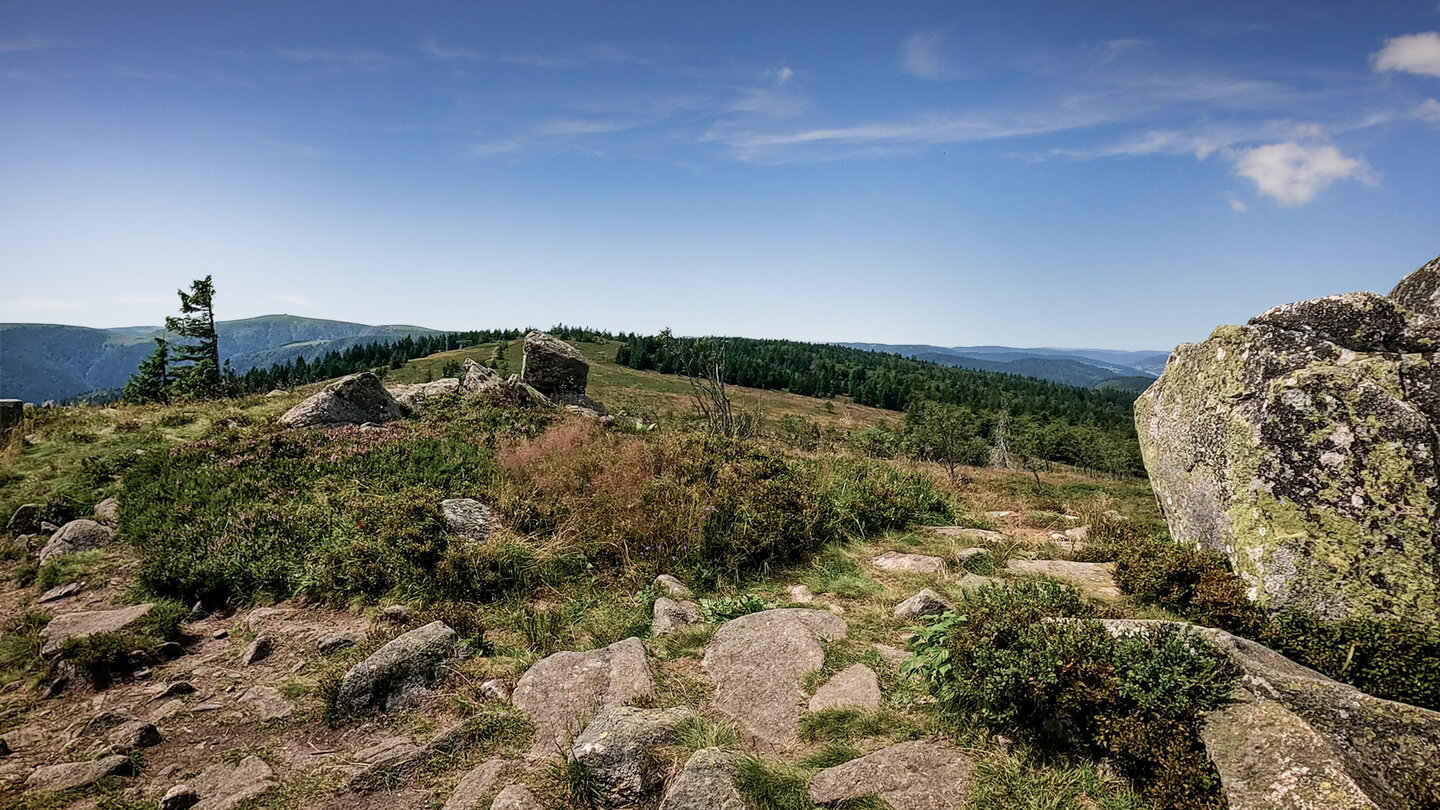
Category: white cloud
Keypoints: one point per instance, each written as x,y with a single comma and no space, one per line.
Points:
298,149
920,56
1428,111
1412,53
782,75
1292,173
1236,204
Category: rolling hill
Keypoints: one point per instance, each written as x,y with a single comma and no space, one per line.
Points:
51,361
1087,368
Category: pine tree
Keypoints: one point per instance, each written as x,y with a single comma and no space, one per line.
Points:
151,382
197,321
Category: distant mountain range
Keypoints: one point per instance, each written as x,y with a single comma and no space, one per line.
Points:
50,361
1086,368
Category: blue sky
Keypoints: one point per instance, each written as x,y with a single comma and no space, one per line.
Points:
1111,174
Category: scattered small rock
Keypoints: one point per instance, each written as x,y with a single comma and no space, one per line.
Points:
853,687
134,734
909,563
966,533
258,650
800,594
168,650
108,511
1001,514
924,603
180,797
673,586
893,656
496,689
266,702
262,617
671,615
396,614
221,633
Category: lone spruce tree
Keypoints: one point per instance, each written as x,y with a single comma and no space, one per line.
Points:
200,379
151,382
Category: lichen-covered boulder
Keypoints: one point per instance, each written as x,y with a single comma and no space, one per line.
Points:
1303,446
352,400
477,378
74,537
468,518
416,396
554,367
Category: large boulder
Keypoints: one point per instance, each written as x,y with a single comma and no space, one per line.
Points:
1294,738
916,775
400,674
352,400
554,368
76,536
1303,445
563,691
619,750
416,396
757,662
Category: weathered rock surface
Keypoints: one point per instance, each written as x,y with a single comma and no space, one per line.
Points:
619,749
398,675
66,775
706,782
963,533
554,368
267,703
479,785
257,650
477,378
108,511
671,615
222,786
1297,739
330,642
76,536
517,797
467,517
59,592
924,603
909,563
672,586
1093,579
917,775
24,520
415,397
134,734
1303,446
563,691
352,400
854,687
86,623
757,662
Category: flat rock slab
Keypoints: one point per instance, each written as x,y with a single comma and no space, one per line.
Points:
908,563
479,785
757,662
221,786
1093,579
854,687
86,623
561,692
965,533
917,775
67,775
707,782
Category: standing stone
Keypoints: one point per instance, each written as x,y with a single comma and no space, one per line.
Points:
467,517
74,537
399,674
1303,446
917,775
554,368
671,615
86,623
618,749
352,400
562,691
757,662
854,687
707,782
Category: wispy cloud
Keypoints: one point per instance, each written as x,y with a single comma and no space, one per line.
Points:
1293,173
26,42
299,150
357,60
41,305
293,299
1412,53
1428,111
1236,204
921,56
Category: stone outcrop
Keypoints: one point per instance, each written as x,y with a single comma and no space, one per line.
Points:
352,400
917,775
1294,738
707,782
86,623
562,692
415,397
74,537
854,687
1303,445
554,368
757,662
619,748
476,378
400,674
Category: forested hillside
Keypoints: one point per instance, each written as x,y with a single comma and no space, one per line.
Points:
1090,428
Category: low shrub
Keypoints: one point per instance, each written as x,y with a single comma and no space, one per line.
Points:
1016,659
1193,582
733,607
